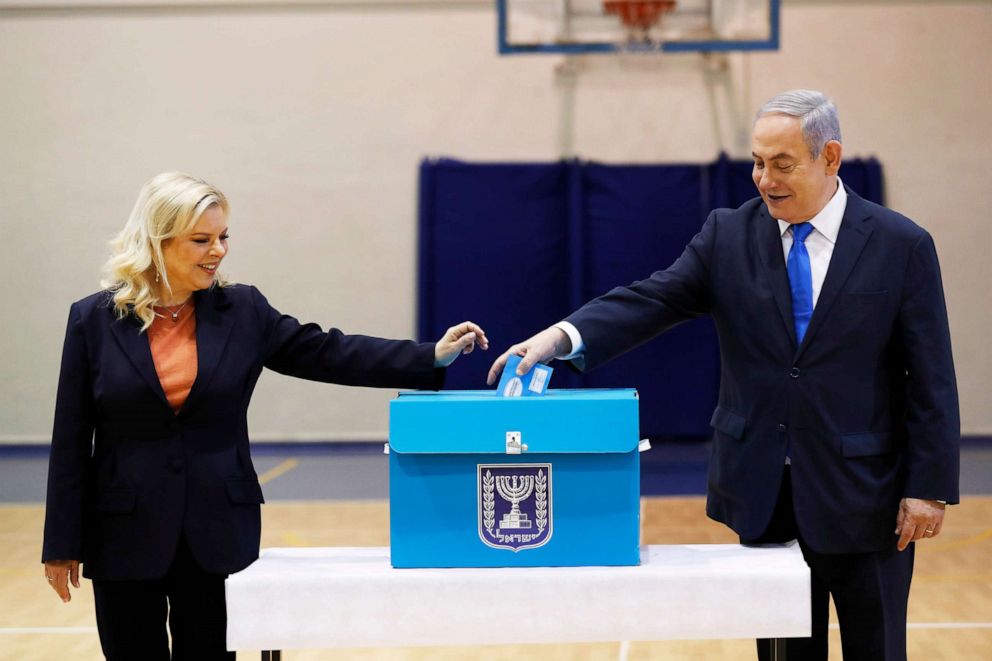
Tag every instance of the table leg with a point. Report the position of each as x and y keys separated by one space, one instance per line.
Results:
x=778 y=649
x=271 y=655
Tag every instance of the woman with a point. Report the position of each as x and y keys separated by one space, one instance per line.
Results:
x=151 y=484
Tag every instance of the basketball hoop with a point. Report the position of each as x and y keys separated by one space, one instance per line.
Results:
x=639 y=15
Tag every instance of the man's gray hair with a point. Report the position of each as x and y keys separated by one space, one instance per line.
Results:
x=817 y=116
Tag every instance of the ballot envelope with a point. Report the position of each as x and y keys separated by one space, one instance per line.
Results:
x=481 y=480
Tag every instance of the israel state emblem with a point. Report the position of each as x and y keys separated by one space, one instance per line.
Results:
x=514 y=505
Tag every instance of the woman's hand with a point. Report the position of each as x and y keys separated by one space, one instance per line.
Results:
x=458 y=340
x=59 y=574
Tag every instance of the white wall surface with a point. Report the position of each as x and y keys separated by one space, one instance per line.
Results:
x=313 y=118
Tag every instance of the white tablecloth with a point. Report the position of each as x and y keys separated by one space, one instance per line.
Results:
x=351 y=597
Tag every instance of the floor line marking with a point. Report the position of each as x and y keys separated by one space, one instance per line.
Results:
x=938 y=625
x=46 y=630
x=277 y=470
x=624 y=646
x=967 y=541
x=949 y=625
x=947 y=576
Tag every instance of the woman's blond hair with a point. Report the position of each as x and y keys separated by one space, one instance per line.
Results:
x=168 y=206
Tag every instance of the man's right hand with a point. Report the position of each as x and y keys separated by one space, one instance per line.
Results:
x=548 y=344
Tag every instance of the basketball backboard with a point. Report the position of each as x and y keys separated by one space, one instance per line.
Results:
x=604 y=26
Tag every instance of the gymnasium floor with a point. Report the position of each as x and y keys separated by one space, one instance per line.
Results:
x=321 y=495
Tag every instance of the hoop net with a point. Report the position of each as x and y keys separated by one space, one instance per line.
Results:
x=639 y=16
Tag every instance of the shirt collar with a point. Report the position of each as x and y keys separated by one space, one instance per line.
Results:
x=827 y=222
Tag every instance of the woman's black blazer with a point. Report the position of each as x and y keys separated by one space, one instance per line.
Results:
x=128 y=476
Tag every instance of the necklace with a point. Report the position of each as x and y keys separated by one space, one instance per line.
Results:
x=175 y=313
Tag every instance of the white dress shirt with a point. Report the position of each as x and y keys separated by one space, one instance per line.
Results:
x=819 y=244
x=821 y=241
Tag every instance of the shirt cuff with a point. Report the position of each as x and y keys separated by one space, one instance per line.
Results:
x=578 y=346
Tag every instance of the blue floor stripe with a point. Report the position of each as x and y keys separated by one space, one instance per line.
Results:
x=334 y=470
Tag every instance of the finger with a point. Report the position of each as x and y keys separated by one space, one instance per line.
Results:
x=900 y=519
x=482 y=339
x=497 y=368
x=480 y=335
x=467 y=327
x=537 y=352
x=525 y=363
x=464 y=328
x=59 y=584
x=74 y=574
x=62 y=585
x=466 y=340
x=531 y=358
x=908 y=531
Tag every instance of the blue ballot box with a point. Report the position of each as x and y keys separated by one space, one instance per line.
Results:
x=480 y=480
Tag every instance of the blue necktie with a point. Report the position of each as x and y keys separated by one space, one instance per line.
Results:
x=800 y=279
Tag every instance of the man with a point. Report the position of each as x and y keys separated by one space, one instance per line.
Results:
x=837 y=422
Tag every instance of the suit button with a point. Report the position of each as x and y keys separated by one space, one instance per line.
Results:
x=176 y=465
x=794 y=372
x=782 y=428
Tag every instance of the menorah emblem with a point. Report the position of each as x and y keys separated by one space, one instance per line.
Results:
x=510 y=490
x=523 y=505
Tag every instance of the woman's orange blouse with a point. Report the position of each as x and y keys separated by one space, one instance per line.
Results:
x=173 y=345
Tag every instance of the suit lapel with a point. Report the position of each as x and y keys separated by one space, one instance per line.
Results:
x=213 y=328
x=770 y=249
x=134 y=343
x=854 y=233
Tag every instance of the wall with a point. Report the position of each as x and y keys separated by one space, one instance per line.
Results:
x=313 y=118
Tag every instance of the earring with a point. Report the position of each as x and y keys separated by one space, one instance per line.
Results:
x=156 y=276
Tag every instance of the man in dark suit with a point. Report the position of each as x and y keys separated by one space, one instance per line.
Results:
x=837 y=422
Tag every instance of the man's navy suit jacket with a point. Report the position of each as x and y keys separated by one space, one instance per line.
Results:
x=866 y=406
x=128 y=476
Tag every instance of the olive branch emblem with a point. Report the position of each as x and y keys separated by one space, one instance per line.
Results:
x=488 y=502
x=541 y=500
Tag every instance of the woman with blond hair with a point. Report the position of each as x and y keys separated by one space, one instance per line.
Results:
x=151 y=485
